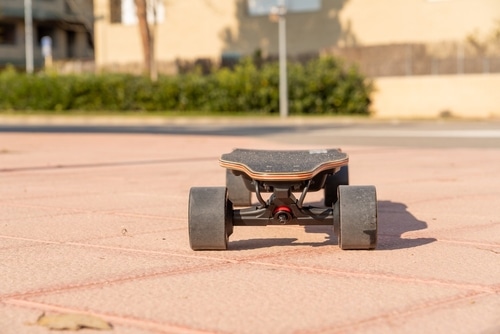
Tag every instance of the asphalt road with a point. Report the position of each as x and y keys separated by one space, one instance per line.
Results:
x=337 y=132
x=407 y=134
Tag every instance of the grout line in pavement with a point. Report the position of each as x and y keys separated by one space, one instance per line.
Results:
x=104 y=164
x=258 y=261
x=31 y=240
x=159 y=327
x=468 y=291
x=103 y=283
x=470 y=227
x=141 y=215
x=70 y=211
x=397 y=278
x=120 y=249
x=66 y=211
x=425 y=307
x=475 y=244
x=416 y=235
x=255 y=261
x=152 y=252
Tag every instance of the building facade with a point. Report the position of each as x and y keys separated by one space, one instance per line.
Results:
x=68 y=23
x=218 y=29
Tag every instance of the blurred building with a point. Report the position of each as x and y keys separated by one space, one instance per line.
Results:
x=428 y=58
x=359 y=29
x=68 y=23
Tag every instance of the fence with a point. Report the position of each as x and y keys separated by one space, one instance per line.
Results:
x=420 y=59
x=89 y=66
x=374 y=61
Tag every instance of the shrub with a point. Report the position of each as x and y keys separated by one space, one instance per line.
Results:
x=322 y=86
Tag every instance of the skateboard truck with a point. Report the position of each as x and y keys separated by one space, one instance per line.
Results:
x=352 y=210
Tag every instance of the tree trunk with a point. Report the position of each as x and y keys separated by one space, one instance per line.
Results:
x=153 y=73
x=145 y=33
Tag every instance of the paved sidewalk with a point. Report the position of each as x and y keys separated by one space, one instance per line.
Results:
x=96 y=224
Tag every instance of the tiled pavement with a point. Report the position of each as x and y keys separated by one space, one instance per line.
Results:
x=97 y=224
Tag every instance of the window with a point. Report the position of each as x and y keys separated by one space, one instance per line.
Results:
x=115 y=11
x=155 y=11
x=42 y=31
x=7 y=34
x=263 y=7
x=123 y=11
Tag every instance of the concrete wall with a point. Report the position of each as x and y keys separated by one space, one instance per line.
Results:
x=369 y=22
x=465 y=96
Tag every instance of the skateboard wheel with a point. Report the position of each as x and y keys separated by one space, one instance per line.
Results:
x=333 y=182
x=237 y=191
x=355 y=217
x=209 y=218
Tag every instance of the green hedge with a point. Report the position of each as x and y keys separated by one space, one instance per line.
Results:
x=322 y=86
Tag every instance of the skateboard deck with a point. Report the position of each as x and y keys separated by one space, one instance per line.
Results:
x=297 y=165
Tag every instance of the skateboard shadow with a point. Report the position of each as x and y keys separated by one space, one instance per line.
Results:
x=249 y=244
x=394 y=220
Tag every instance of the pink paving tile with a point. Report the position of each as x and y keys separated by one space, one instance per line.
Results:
x=241 y=298
x=21 y=317
x=14 y=320
x=11 y=211
x=395 y=219
x=7 y=244
x=476 y=314
x=245 y=243
x=70 y=197
x=468 y=206
x=433 y=262
x=483 y=236
x=38 y=268
x=155 y=205
x=85 y=226
x=112 y=201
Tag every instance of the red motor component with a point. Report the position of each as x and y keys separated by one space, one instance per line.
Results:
x=283 y=214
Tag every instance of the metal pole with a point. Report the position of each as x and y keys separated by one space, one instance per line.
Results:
x=28 y=31
x=460 y=58
x=283 y=89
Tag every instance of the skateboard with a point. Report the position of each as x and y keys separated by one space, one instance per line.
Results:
x=214 y=211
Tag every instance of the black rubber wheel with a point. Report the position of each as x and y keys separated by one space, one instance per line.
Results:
x=355 y=217
x=238 y=193
x=333 y=182
x=209 y=218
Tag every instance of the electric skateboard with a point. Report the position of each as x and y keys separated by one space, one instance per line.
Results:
x=214 y=211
